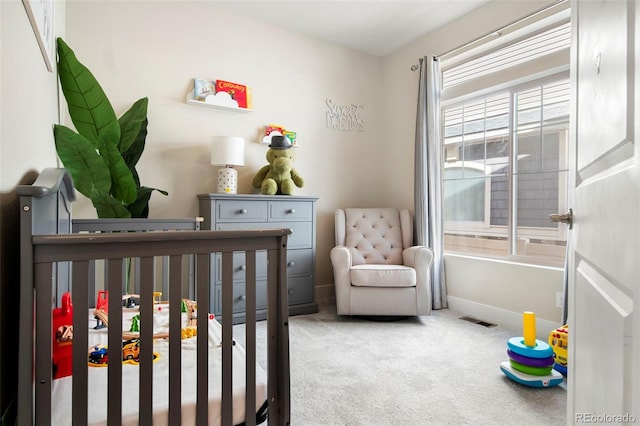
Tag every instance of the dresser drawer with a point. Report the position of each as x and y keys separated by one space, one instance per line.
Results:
x=301 y=233
x=239 y=266
x=239 y=297
x=300 y=290
x=290 y=210
x=299 y=262
x=241 y=211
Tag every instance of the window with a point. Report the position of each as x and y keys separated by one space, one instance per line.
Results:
x=507 y=168
x=505 y=149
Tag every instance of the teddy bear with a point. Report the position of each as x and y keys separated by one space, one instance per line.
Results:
x=279 y=176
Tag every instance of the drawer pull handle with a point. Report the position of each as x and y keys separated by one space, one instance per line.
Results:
x=242 y=268
x=242 y=298
x=242 y=211
x=292 y=263
x=291 y=211
x=290 y=291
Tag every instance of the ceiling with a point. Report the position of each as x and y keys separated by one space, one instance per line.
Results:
x=378 y=27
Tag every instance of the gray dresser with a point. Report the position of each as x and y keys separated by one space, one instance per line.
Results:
x=247 y=211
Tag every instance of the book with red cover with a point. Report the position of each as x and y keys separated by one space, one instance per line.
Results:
x=238 y=92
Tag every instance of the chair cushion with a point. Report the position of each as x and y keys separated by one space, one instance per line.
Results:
x=383 y=276
x=374 y=236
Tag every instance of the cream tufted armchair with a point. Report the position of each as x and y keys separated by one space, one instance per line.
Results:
x=376 y=269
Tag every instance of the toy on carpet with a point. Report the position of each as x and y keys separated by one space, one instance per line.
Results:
x=559 y=342
x=279 y=176
x=530 y=360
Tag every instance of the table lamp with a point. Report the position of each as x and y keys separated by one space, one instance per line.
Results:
x=227 y=151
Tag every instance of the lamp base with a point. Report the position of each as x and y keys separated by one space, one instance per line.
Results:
x=227 y=181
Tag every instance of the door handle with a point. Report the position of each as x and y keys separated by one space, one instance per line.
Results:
x=564 y=218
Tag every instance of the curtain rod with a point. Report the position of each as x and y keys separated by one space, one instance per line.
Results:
x=497 y=32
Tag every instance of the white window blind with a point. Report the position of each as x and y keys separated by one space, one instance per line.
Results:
x=534 y=47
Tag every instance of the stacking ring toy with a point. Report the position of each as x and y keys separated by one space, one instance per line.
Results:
x=531 y=362
x=540 y=350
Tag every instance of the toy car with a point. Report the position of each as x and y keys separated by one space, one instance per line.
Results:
x=99 y=355
x=131 y=349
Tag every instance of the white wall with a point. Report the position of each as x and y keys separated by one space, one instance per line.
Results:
x=29 y=98
x=156 y=48
x=28 y=109
x=499 y=291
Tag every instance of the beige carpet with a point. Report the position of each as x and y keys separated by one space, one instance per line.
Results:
x=435 y=370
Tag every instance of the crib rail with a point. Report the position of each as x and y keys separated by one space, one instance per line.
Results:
x=35 y=384
x=103 y=225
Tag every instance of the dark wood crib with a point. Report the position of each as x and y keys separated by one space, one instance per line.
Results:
x=61 y=256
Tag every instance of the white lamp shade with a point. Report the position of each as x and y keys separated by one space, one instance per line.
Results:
x=227 y=151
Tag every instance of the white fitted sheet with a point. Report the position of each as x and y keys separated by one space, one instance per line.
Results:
x=97 y=377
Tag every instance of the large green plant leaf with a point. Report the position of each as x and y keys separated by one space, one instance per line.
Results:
x=107 y=206
x=140 y=207
x=130 y=123
x=123 y=186
x=133 y=154
x=88 y=169
x=89 y=107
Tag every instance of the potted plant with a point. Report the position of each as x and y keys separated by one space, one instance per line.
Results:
x=101 y=156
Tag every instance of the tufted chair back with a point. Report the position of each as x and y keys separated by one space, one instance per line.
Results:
x=375 y=235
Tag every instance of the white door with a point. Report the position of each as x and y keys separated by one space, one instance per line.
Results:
x=604 y=273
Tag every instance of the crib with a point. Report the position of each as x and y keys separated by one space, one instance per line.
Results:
x=60 y=257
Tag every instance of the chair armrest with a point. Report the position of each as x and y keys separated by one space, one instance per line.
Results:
x=417 y=256
x=342 y=262
x=421 y=259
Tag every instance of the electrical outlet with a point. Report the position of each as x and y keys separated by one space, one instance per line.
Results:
x=559 y=299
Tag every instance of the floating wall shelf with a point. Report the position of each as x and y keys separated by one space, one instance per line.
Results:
x=192 y=101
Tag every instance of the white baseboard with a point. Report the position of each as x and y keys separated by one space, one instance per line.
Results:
x=508 y=320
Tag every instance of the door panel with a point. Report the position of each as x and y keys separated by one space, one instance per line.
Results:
x=602 y=386
x=604 y=255
x=603 y=102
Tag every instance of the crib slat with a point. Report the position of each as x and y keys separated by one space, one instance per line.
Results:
x=146 y=340
x=282 y=360
x=42 y=276
x=175 y=342
x=277 y=326
x=202 y=344
x=80 y=291
x=250 y=338
x=114 y=342
x=227 y=337
x=272 y=330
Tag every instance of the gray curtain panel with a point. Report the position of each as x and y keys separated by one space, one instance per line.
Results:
x=428 y=169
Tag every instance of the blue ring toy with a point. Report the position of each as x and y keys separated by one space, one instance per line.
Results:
x=531 y=362
x=540 y=350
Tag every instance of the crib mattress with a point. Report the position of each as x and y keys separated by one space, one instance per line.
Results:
x=97 y=379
